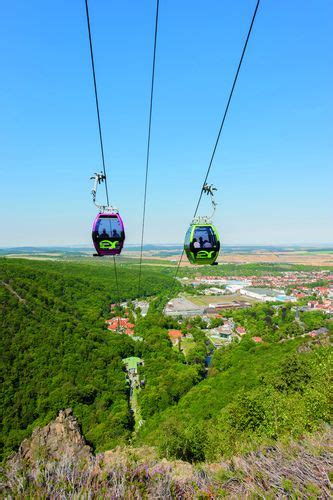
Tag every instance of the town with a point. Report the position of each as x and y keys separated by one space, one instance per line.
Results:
x=295 y=286
x=212 y=295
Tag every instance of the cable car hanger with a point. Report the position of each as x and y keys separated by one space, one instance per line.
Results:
x=99 y=178
x=209 y=190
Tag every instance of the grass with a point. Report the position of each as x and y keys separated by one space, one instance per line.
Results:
x=186 y=345
x=204 y=300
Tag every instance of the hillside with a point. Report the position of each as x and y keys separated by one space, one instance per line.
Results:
x=58 y=354
x=253 y=394
x=56 y=350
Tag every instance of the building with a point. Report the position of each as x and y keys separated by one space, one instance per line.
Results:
x=219 y=280
x=143 y=306
x=257 y=340
x=121 y=325
x=267 y=294
x=241 y=330
x=325 y=306
x=132 y=364
x=175 y=336
x=236 y=286
x=214 y=291
x=319 y=331
x=219 y=339
x=223 y=333
x=221 y=330
x=233 y=304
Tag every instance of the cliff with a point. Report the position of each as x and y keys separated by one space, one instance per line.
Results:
x=57 y=462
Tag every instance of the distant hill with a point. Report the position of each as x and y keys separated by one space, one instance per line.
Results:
x=161 y=249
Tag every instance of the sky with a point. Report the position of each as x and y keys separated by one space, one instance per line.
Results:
x=273 y=167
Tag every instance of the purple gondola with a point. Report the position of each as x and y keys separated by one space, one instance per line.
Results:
x=108 y=233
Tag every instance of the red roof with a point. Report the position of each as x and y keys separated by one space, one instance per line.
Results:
x=240 y=329
x=113 y=327
x=175 y=334
x=257 y=339
x=115 y=323
x=118 y=319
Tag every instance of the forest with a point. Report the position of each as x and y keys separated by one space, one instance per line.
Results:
x=58 y=354
x=253 y=395
x=250 y=269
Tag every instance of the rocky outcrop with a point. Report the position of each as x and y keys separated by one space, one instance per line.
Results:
x=56 y=463
x=60 y=438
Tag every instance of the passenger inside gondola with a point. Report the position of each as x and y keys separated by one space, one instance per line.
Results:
x=109 y=229
x=104 y=235
x=203 y=238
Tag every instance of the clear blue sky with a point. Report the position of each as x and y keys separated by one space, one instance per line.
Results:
x=274 y=163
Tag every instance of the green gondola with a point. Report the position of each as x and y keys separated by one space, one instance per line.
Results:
x=202 y=243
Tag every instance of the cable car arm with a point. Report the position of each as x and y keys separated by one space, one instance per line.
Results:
x=99 y=178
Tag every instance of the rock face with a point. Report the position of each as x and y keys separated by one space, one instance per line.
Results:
x=56 y=463
x=60 y=438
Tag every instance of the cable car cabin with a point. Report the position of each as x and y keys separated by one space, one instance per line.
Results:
x=108 y=234
x=202 y=244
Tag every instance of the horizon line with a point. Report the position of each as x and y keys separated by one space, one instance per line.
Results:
x=84 y=245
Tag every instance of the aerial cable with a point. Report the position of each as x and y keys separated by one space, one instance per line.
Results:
x=227 y=106
x=203 y=189
x=97 y=102
x=99 y=177
x=148 y=144
x=117 y=286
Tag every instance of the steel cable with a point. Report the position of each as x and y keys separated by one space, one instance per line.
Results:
x=221 y=126
x=97 y=101
x=148 y=145
x=100 y=131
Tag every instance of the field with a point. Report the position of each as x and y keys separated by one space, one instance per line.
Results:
x=289 y=257
x=204 y=300
x=168 y=255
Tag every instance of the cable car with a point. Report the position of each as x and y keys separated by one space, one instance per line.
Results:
x=108 y=233
x=202 y=243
